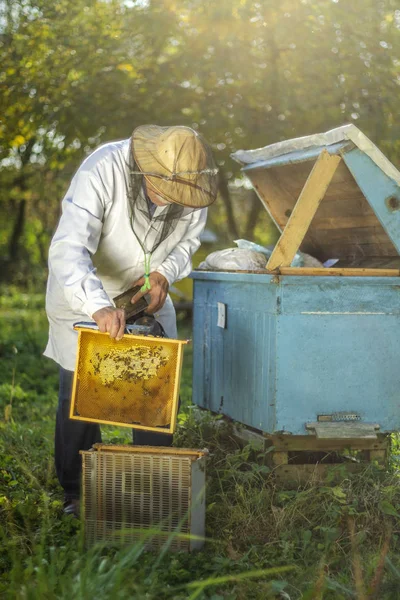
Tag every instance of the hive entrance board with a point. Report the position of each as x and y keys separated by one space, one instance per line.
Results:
x=338 y=200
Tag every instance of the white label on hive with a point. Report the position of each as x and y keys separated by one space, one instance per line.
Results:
x=221 y=315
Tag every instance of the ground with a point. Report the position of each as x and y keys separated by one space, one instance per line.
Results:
x=333 y=541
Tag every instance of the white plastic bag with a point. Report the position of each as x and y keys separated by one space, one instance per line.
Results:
x=253 y=257
x=300 y=260
x=234 y=259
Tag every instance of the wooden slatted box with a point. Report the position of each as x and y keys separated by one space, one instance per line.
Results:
x=154 y=495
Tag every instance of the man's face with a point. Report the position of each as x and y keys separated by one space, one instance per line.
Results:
x=155 y=196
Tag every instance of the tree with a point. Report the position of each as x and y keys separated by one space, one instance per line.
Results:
x=245 y=73
x=61 y=72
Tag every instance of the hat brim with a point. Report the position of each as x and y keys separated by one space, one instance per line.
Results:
x=191 y=190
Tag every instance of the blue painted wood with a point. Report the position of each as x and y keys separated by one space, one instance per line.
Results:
x=297 y=347
x=338 y=363
x=221 y=369
x=299 y=156
x=382 y=193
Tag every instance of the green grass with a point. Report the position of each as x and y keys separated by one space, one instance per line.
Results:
x=330 y=541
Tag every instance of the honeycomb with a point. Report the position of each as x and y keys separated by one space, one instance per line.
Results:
x=132 y=382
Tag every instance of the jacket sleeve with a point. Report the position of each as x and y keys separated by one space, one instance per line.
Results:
x=178 y=263
x=76 y=240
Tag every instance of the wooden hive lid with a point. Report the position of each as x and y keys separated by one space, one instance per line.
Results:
x=346 y=194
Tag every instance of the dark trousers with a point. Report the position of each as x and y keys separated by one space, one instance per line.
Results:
x=72 y=436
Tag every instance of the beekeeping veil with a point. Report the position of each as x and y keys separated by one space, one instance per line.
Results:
x=178 y=164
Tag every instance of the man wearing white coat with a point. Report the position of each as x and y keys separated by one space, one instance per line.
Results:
x=133 y=214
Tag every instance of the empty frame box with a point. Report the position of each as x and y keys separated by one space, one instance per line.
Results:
x=131 y=383
x=133 y=493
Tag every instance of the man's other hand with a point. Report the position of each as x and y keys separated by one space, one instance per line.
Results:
x=111 y=320
x=158 y=292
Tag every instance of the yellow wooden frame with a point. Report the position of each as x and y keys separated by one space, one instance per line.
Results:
x=175 y=399
x=164 y=450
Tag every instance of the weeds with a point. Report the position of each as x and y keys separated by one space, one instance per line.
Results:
x=309 y=527
x=332 y=541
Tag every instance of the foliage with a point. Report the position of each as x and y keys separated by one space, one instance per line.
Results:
x=245 y=73
x=263 y=541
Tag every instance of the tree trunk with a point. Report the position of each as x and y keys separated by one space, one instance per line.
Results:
x=254 y=212
x=226 y=199
x=19 y=223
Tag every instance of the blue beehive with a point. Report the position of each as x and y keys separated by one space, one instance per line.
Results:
x=282 y=349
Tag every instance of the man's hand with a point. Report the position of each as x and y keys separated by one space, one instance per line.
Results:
x=111 y=320
x=157 y=293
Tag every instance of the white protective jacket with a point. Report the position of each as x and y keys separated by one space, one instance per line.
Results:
x=94 y=254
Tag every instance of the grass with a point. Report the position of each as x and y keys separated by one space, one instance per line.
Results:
x=331 y=541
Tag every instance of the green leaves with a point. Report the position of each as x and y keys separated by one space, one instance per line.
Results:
x=388 y=509
x=244 y=73
x=263 y=541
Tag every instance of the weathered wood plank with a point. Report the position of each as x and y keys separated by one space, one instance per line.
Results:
x=342 y=272
x=357 y=251
x=308 y=271
x=304 y=211
x=343 y=190
x=378 y=262
x=360 y=235
x=248 y=436
x=343 y=429
x=339 y=222
x=278 y=202
x=344 y=218
x=280 y=458
x=310 y=443
x=380 y=456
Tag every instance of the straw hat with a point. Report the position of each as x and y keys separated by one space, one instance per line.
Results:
x=177 y=162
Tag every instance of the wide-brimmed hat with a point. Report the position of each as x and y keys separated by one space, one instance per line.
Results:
x=177 y=162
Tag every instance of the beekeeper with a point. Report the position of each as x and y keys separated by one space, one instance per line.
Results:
x=133 y=214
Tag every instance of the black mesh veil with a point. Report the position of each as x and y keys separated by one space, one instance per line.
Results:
x=179 y=166
x=157 y=227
